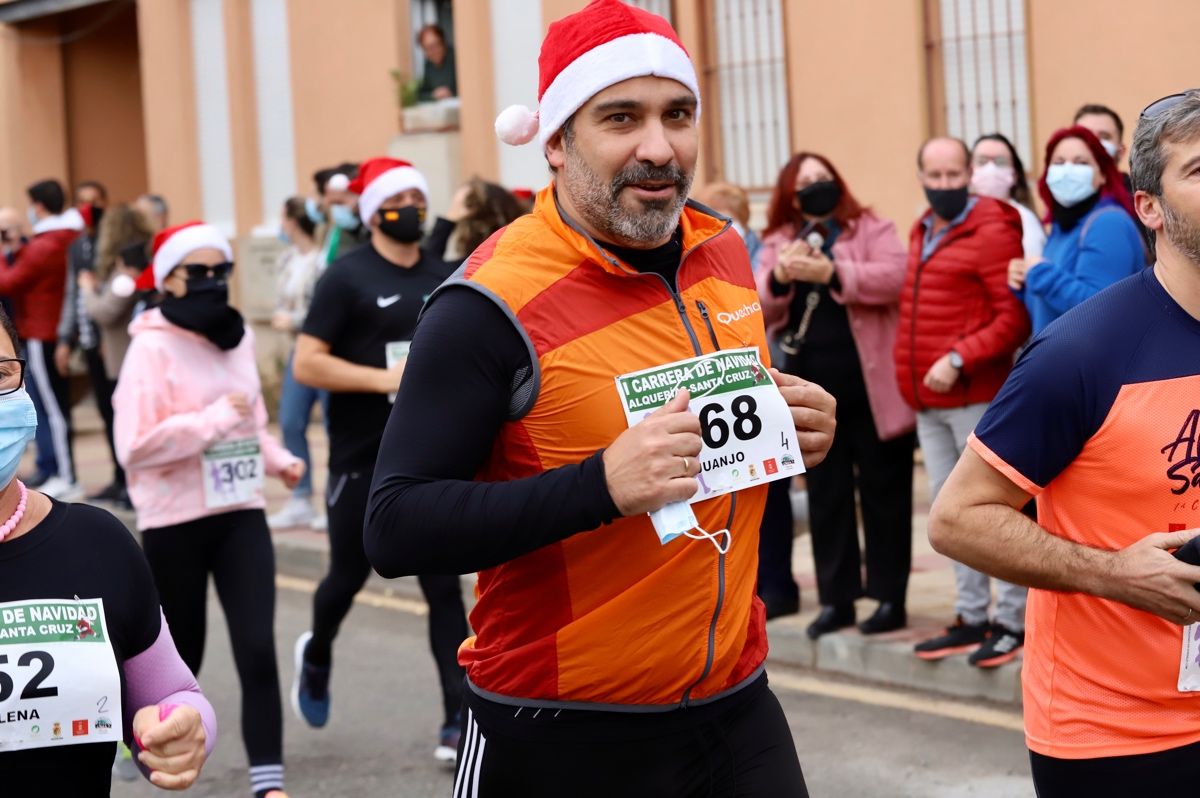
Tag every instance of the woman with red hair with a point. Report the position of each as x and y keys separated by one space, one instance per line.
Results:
x=1093 y=240
x=829 y=278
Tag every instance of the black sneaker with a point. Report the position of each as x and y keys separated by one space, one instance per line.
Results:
x=960 y=638
x=1002 y=645
x=37 y=479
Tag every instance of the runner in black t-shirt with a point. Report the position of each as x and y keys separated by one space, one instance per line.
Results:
x=86 y=658
x=353 y=344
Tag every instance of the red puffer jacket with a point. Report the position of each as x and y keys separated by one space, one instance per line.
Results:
x=35 y=283
x=959 y=299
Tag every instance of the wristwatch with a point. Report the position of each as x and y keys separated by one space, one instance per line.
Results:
x=956 y=360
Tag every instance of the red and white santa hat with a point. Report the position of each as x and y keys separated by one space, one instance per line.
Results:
x=171 y=245
x=381 y=178
x=585 y=53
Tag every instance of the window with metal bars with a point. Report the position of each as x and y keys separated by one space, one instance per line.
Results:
x=979 y=49
x=661 y=7
x=745 y=84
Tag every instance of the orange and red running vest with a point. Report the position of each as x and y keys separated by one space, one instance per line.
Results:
x=612 y=618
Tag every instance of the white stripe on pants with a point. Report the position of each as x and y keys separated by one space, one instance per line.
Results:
x=466 y=782
x=943 y=435
x=54 y=414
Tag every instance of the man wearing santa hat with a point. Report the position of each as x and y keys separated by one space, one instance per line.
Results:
x=608 y=653
x=353 y=342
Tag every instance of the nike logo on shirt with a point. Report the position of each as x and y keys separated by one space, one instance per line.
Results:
x=387 y=301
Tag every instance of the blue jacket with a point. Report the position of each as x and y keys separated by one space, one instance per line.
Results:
x=1101 y=249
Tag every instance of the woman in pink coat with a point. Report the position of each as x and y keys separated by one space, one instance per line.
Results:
x=829 y=279
x=191 y=431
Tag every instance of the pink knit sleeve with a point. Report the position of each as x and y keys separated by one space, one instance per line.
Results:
x=159 y=676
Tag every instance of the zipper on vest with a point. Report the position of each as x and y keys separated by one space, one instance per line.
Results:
x=712 y=626
x=681 y=308
x=708 y=323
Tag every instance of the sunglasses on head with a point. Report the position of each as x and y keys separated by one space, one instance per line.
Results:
x=1164 y=104
x=203 y=271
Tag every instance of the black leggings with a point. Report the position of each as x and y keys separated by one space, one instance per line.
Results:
x=236 y=549
x=1173 y=773
x=346 y=500
x=739 y=746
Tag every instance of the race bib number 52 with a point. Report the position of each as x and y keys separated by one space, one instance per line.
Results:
x=59 y=683
x=747 y=430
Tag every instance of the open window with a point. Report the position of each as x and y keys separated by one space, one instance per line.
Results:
x=430 y=95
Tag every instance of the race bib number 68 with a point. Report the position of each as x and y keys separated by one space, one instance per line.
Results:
x=746 y=426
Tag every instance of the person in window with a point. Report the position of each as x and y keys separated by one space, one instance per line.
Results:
x=829 y=280
x=1093 y=241
x=440 y=80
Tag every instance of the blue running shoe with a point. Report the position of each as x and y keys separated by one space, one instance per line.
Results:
x=310 y=688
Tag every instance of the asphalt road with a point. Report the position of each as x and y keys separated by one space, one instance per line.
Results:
x=854 y=741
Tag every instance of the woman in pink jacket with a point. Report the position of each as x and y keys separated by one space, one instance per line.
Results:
x=191 y=430
x=829 y=278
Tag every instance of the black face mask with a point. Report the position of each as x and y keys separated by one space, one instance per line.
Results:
x=819 y=199
x=402 y=224
x=205 y=310
x=947 y=203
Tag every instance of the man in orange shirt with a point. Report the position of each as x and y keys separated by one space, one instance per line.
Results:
x=1101 y=421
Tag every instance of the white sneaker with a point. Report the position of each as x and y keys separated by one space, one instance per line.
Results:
x=59 y=488
x=320 y=523
x=297 y=512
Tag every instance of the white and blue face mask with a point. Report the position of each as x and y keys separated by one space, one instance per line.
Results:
x=1070 y=183
x=18 y=423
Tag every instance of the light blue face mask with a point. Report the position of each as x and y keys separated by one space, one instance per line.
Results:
x=284 y=239
x=18 y=423
x=344 y=217
x=313 y=211
x=1070 y=183
x=33 y=217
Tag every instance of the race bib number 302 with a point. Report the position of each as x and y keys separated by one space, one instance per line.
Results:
x=59 y=683
x=748 y=434
x=232 y=473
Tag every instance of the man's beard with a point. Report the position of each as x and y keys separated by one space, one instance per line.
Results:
x=600 y=203
x=1183 y=234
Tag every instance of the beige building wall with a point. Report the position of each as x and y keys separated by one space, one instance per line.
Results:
x=344 y=98
x=858 y=96
x=1110 y=52
x=169 y=97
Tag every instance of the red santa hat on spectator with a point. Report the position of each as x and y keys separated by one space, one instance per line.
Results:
x=585 y=53
x=381 y=178
x=170 y=247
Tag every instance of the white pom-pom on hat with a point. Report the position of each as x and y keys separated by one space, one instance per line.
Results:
x=122 y=286
x=517 y=125
x=339 y=182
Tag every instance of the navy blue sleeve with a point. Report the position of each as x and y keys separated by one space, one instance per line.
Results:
x=1055 y=399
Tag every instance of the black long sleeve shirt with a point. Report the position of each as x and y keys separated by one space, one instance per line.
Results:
x=426 y=514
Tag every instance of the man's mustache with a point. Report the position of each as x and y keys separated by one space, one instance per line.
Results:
x=648 y=174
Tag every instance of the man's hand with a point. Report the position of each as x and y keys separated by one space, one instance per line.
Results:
x=1146 y=576
x=292 y=475
x=62 y=358
x=173 y=749
x=941 y=375
x=813 y=412
x=655 y=462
